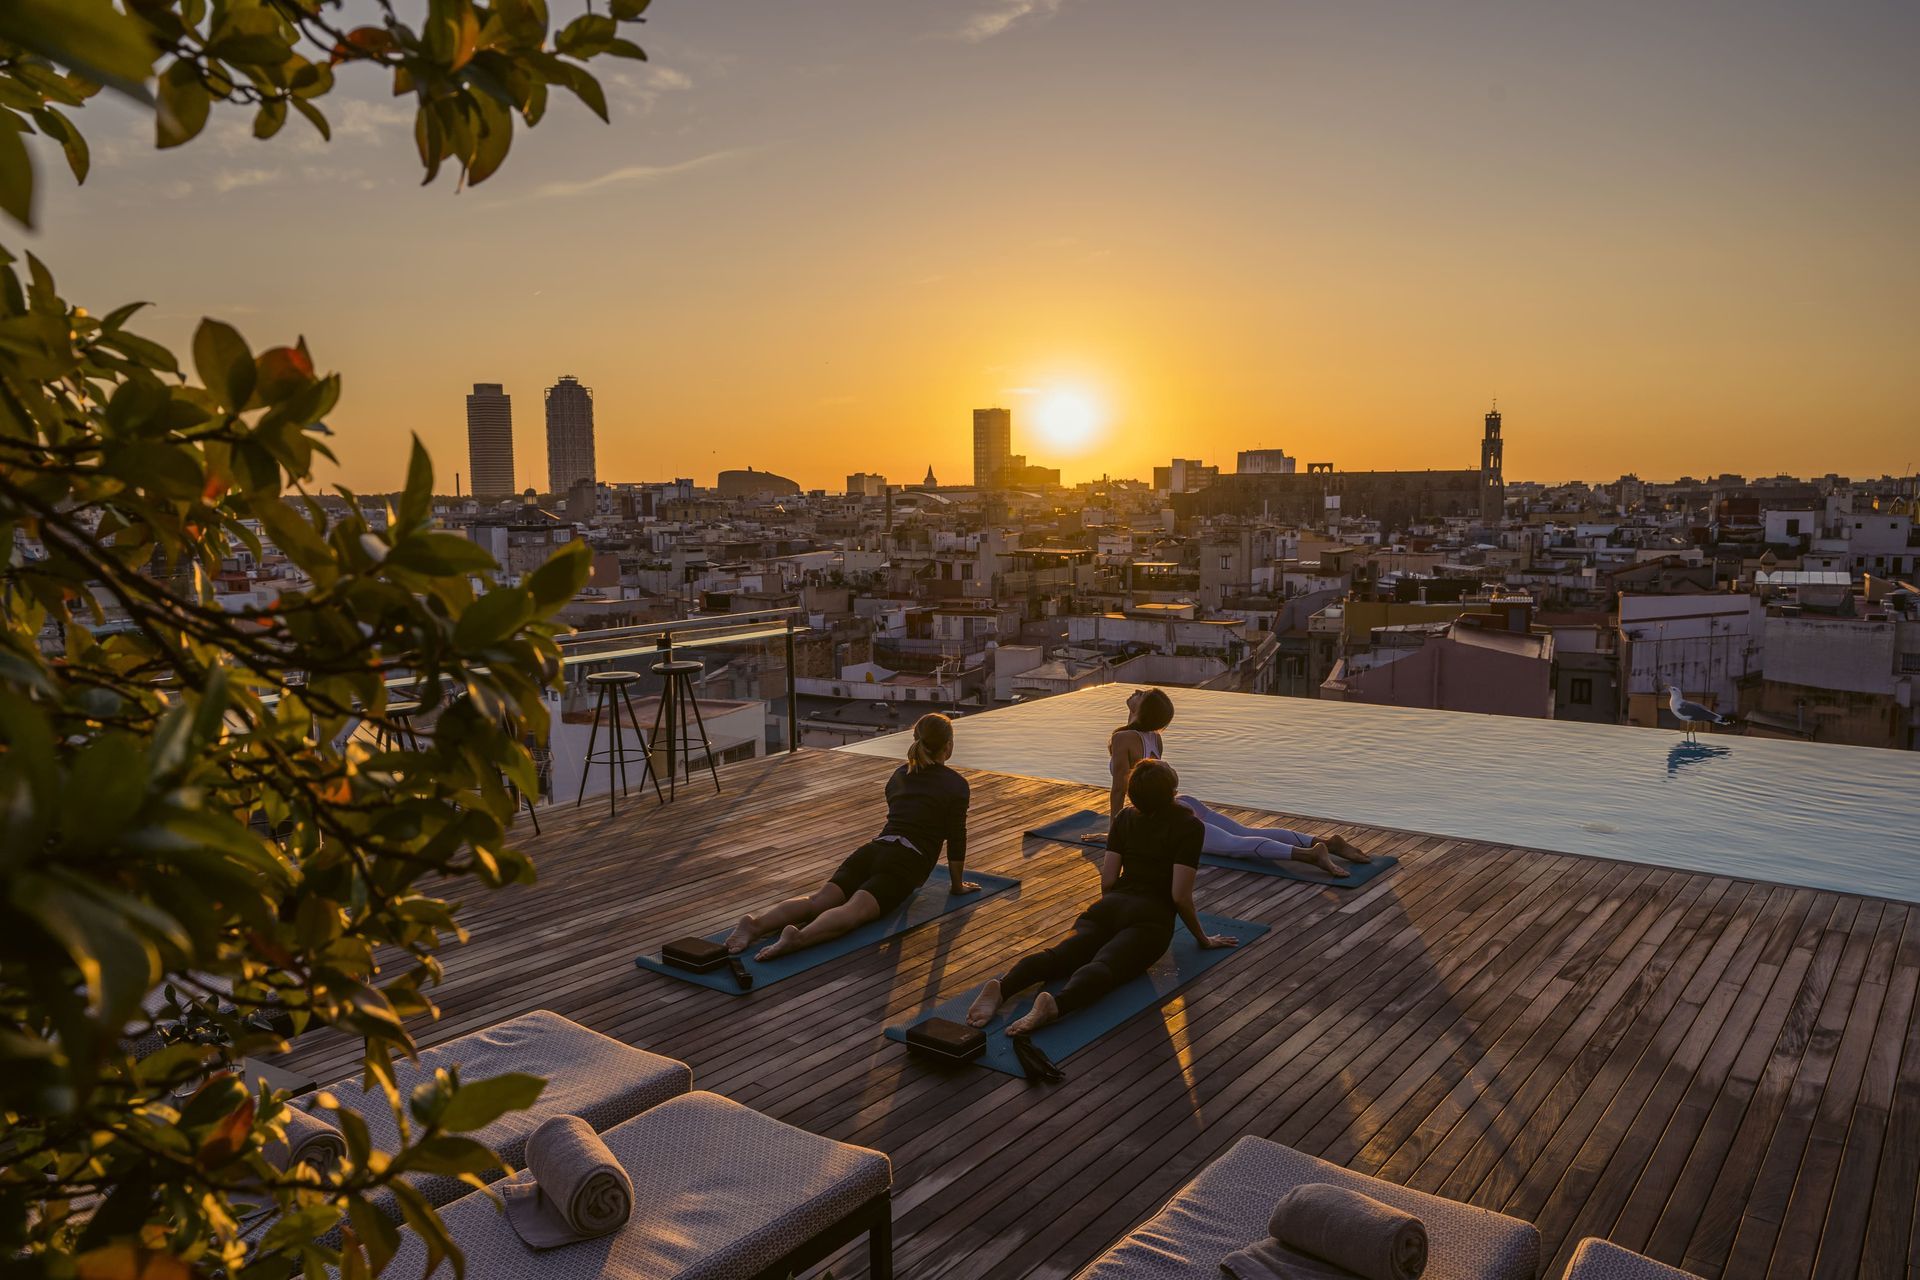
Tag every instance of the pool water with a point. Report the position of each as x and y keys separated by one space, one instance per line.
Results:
x=1819 y=815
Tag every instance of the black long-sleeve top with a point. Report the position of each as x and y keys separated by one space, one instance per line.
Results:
x=929 y=807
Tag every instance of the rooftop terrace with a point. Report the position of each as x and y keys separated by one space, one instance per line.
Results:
x=1722 y=1073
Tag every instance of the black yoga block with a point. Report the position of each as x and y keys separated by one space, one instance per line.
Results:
x=945 y=1038
x=696 y=955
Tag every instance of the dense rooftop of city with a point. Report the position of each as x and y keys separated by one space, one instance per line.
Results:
x=1199 y=814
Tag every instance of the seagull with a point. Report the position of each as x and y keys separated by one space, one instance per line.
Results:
x=1691 y=713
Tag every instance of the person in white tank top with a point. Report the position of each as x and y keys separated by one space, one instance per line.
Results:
x=1149 y=711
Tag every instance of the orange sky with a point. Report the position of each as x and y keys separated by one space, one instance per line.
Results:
x=1669 y=238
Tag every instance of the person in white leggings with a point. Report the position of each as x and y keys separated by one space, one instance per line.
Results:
x=1149 y=711
x=1272 y=844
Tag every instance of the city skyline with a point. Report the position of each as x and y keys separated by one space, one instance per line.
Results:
x=1289 y=227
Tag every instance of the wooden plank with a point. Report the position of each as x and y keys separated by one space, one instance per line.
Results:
x=1723 y=1074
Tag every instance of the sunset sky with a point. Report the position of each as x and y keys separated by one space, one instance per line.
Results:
x=1669 y=237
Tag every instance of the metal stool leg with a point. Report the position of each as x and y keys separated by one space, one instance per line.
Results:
x=593 y=735
x=706 y=743
x=646 y=756
x=616 y=755
x=664 y=713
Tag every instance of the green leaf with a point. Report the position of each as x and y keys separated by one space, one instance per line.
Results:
x=561 y=577
x=585 y=36
x=588 y=90
x=184 y=105
x=16 y=171
x=492 y=618
x=448 y=1155
x=89 y=37
x=494 y=137
x=478 y=1103
x=628 y=10
x=56 y=126
x=224 y=364
x=416 y=501
x=440 y=554
x=312 y=113
x=268 y=119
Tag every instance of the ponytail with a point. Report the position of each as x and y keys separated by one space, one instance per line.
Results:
x=932 y=740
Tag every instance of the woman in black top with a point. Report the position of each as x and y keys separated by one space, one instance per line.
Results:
x=926 y=808
x=1145 y=882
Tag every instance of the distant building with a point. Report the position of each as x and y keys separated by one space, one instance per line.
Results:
x=1454 y=666
x=865 y=484
x=1395 y=498
x=1188 y=475
x=490 y=441
x=992 y=447
x=755 y=484
x=1265 y=462
x=1019 y=474
x=569 y=435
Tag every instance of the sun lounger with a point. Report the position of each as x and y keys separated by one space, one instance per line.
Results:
x=720 y=1192
x=1228 y=1205
x=1595 y=1259
x=588 y=1075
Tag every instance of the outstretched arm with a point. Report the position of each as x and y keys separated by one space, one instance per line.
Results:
x=1183 y=903
x=957 y=854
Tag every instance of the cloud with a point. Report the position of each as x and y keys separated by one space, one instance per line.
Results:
x=234 y=179
x=1001 y=15
x=635 y=174
x=643 y=90
x=372 y=121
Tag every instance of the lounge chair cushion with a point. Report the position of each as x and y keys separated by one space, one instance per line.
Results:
x=720 y=1192
x=1227 y=1207
x=588 y=1075
x=1595 y=1259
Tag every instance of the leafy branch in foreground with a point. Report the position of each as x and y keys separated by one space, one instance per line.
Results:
x=471 y=68
x=202 y=847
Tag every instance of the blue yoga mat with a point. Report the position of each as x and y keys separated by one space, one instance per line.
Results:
x=929 y=902
x=1069 y=829
x=1183 y=962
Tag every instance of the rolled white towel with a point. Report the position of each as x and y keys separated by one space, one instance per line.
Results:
x=1352 y=1231
x=310 y=1141
x=578 y=1190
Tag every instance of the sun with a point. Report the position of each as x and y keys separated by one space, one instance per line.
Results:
x=1067 y=418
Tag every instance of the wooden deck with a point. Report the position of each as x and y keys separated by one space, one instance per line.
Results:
x=1722 y=1074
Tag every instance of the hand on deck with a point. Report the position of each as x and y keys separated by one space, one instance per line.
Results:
x=1094 y=837
x=1214 y=941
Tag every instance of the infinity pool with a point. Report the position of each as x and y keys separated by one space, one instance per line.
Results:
x=1828 y=817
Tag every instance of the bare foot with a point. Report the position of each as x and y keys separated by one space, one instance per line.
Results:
x=1320 y=856
x=985 y=1005
x=742 y=936
x=1345 y=848
x=1044 y=1011
x=789 y=940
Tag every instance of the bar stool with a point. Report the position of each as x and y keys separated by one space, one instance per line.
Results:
x=397 y=733
x=613 y=693
x=676 y=698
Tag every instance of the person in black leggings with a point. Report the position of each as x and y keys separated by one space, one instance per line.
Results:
x=926 y=808
x=1146 y=883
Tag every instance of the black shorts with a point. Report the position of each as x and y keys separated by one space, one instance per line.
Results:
x=888 y=870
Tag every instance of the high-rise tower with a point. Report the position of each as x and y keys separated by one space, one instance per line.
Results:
x=1493 y=487
x=992 y=447
x=569 y=435
x=490 y=441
